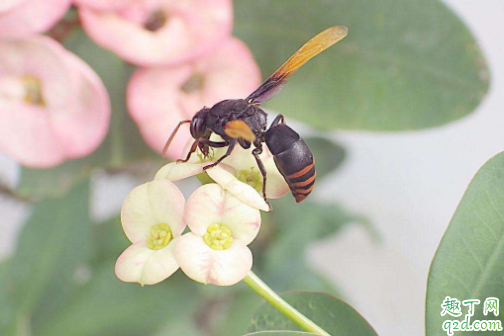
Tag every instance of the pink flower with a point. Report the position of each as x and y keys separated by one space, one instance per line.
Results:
x=151 y=217
x=159 y=32
x=102 y=4
x=7 y=5
x=159 y=98
x=53 y=106
x=216 y=250
x=23 y=17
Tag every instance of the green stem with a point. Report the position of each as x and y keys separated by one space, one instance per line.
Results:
x=254 y=282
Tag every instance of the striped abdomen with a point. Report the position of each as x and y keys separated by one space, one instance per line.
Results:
x=293 y=159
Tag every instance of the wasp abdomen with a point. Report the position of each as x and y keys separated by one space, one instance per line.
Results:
x=293 y=159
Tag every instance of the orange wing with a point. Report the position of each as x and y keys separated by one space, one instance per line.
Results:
x=239 y=129
x=310 y=49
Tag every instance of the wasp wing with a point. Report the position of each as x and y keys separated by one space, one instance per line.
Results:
x=310 y=49
x=239 y=129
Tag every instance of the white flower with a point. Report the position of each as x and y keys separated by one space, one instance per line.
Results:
x=238 y=173
x=152 y=218
x=216 y=251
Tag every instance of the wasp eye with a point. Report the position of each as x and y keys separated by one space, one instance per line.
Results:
x=198 y=124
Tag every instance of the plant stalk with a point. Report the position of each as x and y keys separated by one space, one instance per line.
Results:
x=258 y=286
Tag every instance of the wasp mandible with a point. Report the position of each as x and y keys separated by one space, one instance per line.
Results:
x=243 y=122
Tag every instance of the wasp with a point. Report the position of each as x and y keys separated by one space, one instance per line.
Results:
x=242 y=122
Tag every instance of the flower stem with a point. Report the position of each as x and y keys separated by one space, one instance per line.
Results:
x=254 y=282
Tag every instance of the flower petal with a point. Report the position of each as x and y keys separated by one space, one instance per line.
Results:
x=73 y=118
x=32 y=16
x=102 y=4
x=159 y=98
x=7 y=5
x=177 y=171
x=240 y=190
x=242 y=159
x=41 y=149
x=192 y=28
x=276 y=187
x=82 y=126
x=152 y=203
x=140 y=264
x=203 y=264
x=153 y=100
x=210 y=204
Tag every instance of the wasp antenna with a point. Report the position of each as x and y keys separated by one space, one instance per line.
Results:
x=170 y=139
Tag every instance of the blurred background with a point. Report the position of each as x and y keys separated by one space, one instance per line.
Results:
x=396 y=193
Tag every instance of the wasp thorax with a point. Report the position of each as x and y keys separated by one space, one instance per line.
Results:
x=156 y=21
x=252 y=177
x=218 y=237
x=159 y=236
x=33 y=90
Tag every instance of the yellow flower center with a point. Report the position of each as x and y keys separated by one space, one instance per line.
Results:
x=218 y=237
x=33 y=90
x=203 y=158
x=252 y=177
x=160 y=235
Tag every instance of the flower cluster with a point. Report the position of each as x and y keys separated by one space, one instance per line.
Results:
x=223 y=216
x=53 y=106
x=56 y=108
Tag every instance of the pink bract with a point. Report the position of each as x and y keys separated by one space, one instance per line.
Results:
x=159 y=98
x=160 y=32
x=53 y=106
x=102 y=4
x=8 y=5
x=24 y=17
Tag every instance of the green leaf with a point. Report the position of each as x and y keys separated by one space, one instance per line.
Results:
x=238 y=313
x=106 y=306
x=6 y=306
x=54 y=244
x=55 y=182
x=328 y=155
x=123 y=147
x=283 y=263
x=110 y=240
x=331 y=314
x=468 y=263
x=404 y=65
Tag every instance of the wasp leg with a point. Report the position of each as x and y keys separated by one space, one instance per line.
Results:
x=192 y=150
x=206 y=143
x=256 y=152
x=216 y=144
x=280 y=119
x=232 y=145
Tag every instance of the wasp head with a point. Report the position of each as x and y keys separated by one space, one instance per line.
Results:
x=199 y=127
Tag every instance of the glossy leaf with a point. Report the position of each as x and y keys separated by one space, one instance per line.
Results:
x=404 y=65
x=6 y=305
x=238 y=312
x=106 y=306
x=54 y=245
x=468 y=263
x=331 y=314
